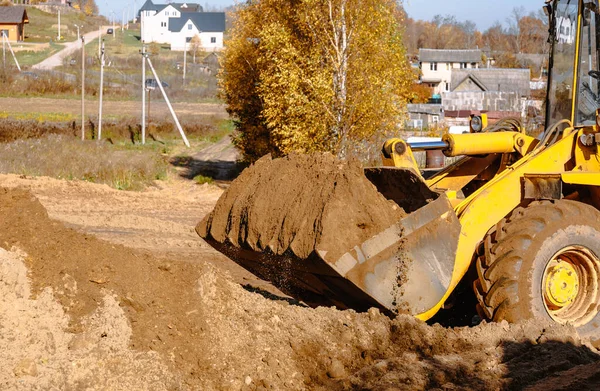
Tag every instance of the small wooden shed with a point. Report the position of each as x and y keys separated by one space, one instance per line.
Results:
x=12 y=22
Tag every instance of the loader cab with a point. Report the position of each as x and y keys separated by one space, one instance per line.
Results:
x=574 y=67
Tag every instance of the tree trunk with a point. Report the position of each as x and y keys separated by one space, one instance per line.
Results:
x=340 y=76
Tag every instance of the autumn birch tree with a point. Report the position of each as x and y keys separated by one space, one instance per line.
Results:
x=315 y=75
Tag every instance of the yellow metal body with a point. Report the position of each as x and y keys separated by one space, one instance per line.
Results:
x=501 y=191
x=485 y=143
x=488 y=183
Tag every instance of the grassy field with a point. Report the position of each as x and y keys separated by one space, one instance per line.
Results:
x=27 y=58
x=66 y=157
x=43 y=26
x=124 y=65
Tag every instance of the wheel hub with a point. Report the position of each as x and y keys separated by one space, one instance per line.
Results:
x=562 y=284
x=571 y=287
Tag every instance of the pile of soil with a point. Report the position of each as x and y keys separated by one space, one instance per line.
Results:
x=300 y=203
x=125 y=315
x=38 y=352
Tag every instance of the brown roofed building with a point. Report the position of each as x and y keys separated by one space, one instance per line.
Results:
x=12 y=22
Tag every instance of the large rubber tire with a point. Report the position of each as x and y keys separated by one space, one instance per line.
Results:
x=518 y=260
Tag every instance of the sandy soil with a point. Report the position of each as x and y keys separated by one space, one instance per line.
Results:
x=104 y=289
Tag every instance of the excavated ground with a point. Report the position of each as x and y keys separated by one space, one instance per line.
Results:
x=114 y=290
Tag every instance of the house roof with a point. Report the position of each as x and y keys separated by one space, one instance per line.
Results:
x=150 y=6
x=13 y=14
x=181 y=7
x=209 y=22
x=422 y=108
x=446 y=55
x=189 y=7
x=494 y=79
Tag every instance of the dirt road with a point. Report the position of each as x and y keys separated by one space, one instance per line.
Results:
x=113 y=290
x=56 y=59
x=111 y=108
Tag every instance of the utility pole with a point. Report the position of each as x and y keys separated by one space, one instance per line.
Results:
x=101 y=88
x=144 y=55
x=77 y=30
x=99 y=40
x=164 y=94
x=4 y=49
x=5 y=41
x=184 y=59
x=82 y=88
x=114 y=30
x=58 y=38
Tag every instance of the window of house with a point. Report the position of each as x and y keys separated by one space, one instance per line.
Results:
x=189 y=26
x=473 y=65
x=448 y=66
x=213 y=39
x=4 y=32
x=433 y=66
x=166 y=13
x=446 y=87
x=463 y=65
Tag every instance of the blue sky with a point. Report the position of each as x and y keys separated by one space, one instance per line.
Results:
x=483 y=12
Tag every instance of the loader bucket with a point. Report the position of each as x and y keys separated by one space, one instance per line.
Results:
x=405 y=268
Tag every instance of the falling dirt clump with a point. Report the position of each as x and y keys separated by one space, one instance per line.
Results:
x=300 y=203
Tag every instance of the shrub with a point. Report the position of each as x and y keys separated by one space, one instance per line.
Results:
x=201 y=179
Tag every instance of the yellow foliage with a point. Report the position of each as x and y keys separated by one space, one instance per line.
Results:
x=315 y=75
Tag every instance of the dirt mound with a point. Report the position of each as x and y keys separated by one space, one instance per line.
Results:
x=215 y=334
x=300 y=203
x=38 y=352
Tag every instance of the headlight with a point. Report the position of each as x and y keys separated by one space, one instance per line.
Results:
x=476 y=124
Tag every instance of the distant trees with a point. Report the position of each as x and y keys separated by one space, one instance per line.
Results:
x=195 y=45
x=443 y=32
x=524 y=33
x=89 y=7
x=314 y=75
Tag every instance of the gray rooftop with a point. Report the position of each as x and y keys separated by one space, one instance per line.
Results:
x=492 y=79
x=189 y=7
x=150 y=6
x=208 y=22
x=446 y=55
x=424 y=108
x=13 y=14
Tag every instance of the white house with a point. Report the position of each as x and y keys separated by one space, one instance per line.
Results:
x=177 y=23
x=566 y=27
x=437 y=66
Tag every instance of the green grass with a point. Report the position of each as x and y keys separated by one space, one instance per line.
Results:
x=30 y=57
x=43 y=26
x=201 y=179
x=123 y=44
x=39 y=117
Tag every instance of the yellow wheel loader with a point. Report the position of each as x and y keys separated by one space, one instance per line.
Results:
x=522 y=212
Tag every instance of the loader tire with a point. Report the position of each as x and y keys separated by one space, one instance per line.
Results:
x=542 y=262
